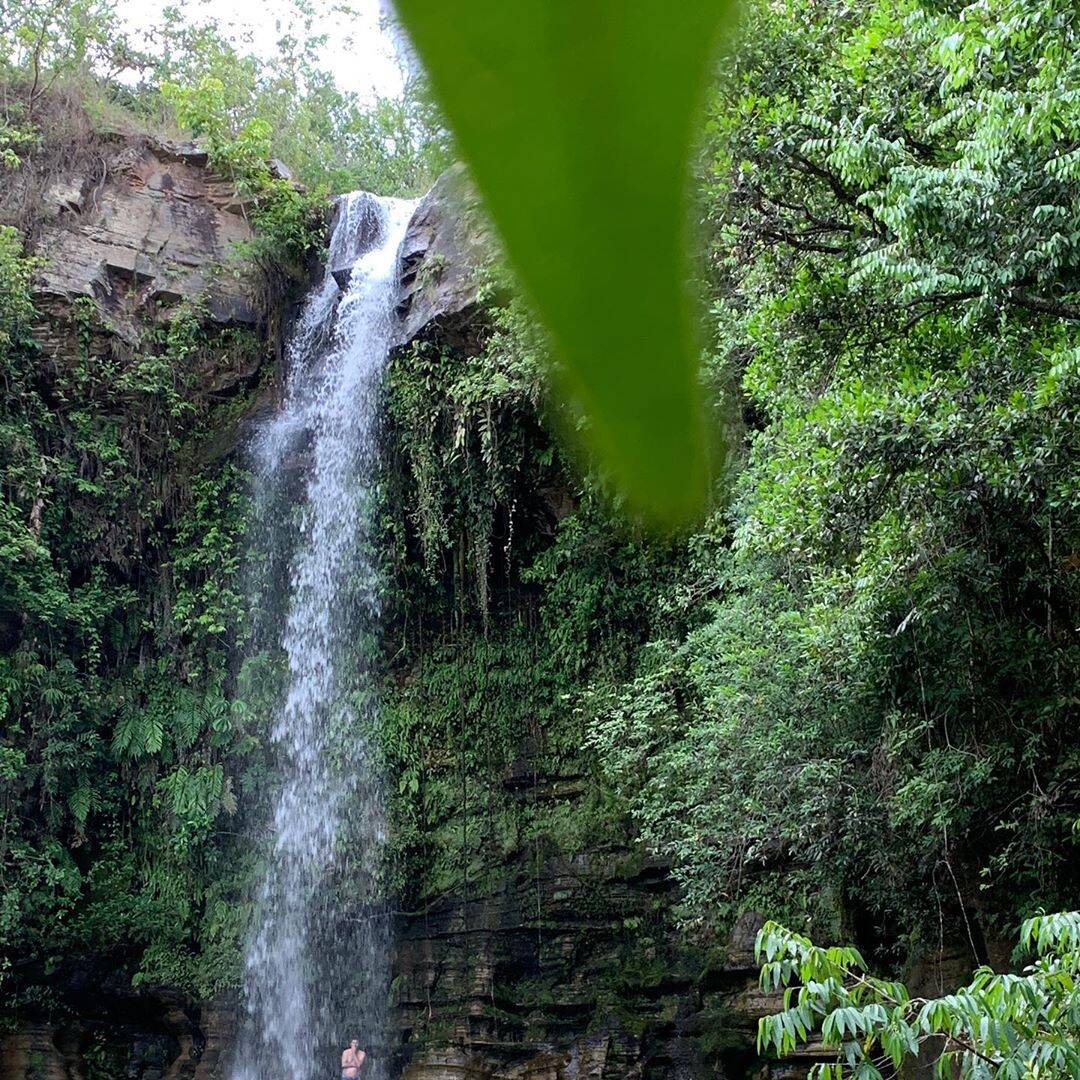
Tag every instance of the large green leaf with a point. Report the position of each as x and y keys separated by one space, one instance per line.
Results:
x=577 y=119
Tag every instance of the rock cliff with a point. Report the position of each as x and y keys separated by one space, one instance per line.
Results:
x=447 y=244
x=156 y=229
x=572 y=967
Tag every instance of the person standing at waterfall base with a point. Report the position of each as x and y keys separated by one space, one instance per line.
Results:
x=352 y=1061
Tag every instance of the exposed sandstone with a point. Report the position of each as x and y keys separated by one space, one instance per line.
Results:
x=32 y=1051
x=157 y=230
x=567 y=969
x=446 y=246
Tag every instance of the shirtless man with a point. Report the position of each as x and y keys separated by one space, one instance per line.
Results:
x=352 y=1061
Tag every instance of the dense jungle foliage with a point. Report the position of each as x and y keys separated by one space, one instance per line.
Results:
x=871 y=685
x=847 y=700
x=1000 y=1025
x=852 y=699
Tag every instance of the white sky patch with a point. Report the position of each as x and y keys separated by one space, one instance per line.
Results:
x=363 y=49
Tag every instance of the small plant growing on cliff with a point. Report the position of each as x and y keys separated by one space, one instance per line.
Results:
x=16 y=307
x=1001 y=1026
x=289 y=220
x=15 y=140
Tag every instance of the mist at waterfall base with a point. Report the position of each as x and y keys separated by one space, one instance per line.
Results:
x=317 y=967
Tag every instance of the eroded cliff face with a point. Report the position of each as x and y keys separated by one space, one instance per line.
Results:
x=130 y=236
x=135 y=227
x=154 y=228
x=155 y=1035
x=447 y=244
x=568 y=967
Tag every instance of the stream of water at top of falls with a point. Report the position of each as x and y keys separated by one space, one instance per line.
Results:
x=317 y=969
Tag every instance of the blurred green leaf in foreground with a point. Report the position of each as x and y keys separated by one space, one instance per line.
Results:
x=577 y=118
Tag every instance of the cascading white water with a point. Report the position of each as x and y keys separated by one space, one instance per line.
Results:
x=317 y=966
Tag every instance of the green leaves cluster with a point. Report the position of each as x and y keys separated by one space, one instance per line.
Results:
x=120 y=750
x=16 y=306
x=15 y=139
x=288 y=103
x=42 y=43
x=998 y=1027
x=860 y=704
x=290 y=223
x=467 y=428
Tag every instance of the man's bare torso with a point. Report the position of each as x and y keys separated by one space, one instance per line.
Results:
x=351 y=1061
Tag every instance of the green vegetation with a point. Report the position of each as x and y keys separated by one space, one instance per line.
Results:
x=120 y=748
x=852 y=689
x=289 y=223
x=328 y=137
x=191 y=80
x=864 y=701
x=1001 y=1026
x=846 y=700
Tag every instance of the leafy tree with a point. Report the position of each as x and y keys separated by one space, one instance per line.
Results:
x=42 y=42
x=326 y=135
x=860 y=702
x=1006 y=1027
x=190 y=74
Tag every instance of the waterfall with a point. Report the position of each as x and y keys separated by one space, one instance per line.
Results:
x=317 y=965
